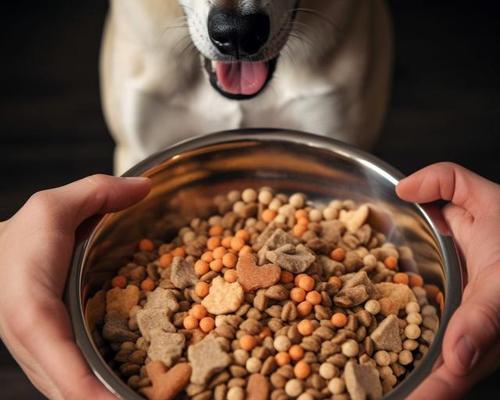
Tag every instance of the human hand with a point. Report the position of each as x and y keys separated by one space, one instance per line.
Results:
x=471 y=347
x=35 y=251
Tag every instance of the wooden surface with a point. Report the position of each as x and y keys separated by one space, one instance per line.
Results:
x=445 y=104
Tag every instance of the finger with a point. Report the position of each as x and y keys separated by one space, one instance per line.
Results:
x=48 y=341
x=69 y=205
x=441 y=384
x=450 y=182
x=474 y=329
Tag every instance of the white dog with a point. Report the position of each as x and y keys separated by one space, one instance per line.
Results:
x=174 y=69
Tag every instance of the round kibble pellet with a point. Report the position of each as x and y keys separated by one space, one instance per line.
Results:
x=294 y=388
x=410 y=344
x=119 y=282
x=350 y=348
x=248 y=342
x=253 y=365
x=298 y=294
x=339 y=320
x=201 y=289
x=405 y=357
x=330 y=213
x=249 y=195
x=315 y=215
x=305 y=327
x=190 y=322
x=382 y=358
x=231 y=276
x=338 y=254
x=240 y=356
x=412 y=331
x=306 y=282
x=302 y=370
x=304 y=308
x=148 y=285
x=236 y=393
x=282 y=359
x=282 y=343
x=296 y=200
x=412 y=307
x=414 y=318
x=296 y=352
x=269 y=215
x=198 y=311
x=372 y=306
x=207 y=324
x=327 y=371
x=265 y=197
x=146 y=245
x=336 y=386
x=335 y=281
x=314 y=297
x=306 y=396
x=201 y=267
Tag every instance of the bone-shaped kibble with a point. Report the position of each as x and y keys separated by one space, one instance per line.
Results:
x=252 y=277
x=166 y=384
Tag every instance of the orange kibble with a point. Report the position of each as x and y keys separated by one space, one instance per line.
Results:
x=268 y=215
x=230 y=276
x=440 y=300
x=119 y=281
x=286 y=277
x=201 y=289
x=338 y=254
x=148 y=284
x=213 y=242
x=304 y=308
x=216 y=265
x=314 y=297
x=229 y=260
x=391 y=262
x=198 y=311
x=237 y=243
x=243 y=234
x=296 y=352
x=146 y=245
x=301 y=214
x=299 y=230
x=190 y=322
x=297 y=277
x=307 y=283
x=305 y=327
x=298 y=294
x=416 y=280
x=302 y=221
x=216 y=230
x=179 y=252
x=207 y=324
x=245 y=250
x=226 y=242
x=219 y=252
x=207 y=256
x=282 y=358
x=336 y=282
x=166 y=260
x=339 y=320
x=248 y=342
x=201 y=267
x=302 y=370
x=401 y=277
x=265 y=332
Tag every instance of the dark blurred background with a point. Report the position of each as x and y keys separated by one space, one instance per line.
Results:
x=445 y=104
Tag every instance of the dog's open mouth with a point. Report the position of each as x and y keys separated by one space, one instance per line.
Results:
x=240 y=80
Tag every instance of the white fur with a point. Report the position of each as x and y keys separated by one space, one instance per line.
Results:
x=333 y=81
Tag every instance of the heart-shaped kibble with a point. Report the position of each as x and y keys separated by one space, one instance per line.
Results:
x=252 y=277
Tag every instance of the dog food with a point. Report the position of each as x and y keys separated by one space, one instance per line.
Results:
x=275 y=297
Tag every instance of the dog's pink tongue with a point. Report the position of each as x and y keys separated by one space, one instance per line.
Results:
x=241 y=77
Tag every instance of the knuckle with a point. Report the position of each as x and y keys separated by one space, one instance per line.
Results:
x=98 y=180
x=40 y=205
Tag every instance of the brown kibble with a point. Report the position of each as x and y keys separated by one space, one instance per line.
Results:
x=166 y=384
x=362 y=381
x=252 y=277
x=257 y=387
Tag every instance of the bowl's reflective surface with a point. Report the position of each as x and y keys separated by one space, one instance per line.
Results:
x=187 y=177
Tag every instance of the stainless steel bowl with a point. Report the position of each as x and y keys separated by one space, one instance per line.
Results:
x=187 y=176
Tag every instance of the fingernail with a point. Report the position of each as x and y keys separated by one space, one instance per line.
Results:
x=467 y=353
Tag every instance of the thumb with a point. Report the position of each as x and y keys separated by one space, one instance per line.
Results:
x=68 y=206
x=474 y=329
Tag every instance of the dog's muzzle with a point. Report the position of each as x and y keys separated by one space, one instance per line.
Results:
x=239 y=38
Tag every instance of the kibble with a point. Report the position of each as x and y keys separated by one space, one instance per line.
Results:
x=336 y=386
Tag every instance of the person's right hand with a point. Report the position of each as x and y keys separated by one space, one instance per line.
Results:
x=35 y=251
x=471 y=347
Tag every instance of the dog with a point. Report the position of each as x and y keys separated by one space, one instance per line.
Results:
x=174 y=69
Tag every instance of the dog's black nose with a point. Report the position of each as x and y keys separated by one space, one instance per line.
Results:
x=238 y=34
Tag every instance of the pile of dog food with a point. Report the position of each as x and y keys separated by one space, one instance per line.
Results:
x=273 y=297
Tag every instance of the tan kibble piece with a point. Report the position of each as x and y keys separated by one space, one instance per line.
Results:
x=405 y=357
x=166 y=384
x=252 y=277
x=240 y=356
x=207 y=358
x=253 y=365
x=236 y=393
x=282 y=343
x=386 y=335
x=412 y=331
x=182 y=273
x=353 y=220
x=223 y=297
x=412 y=307
x=400 y=294
x=327 y=371
x=414 y=318
x=294 y=388
x=350 y=348
x=165 y=347
x=372 y=306
x=362 y=382
x=382 y=358
x=257 y=387
x=336 y=386
x=121 y=301
x=151 y=319
x=162 y=299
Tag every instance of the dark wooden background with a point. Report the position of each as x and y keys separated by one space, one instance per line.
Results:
x=445 y=104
